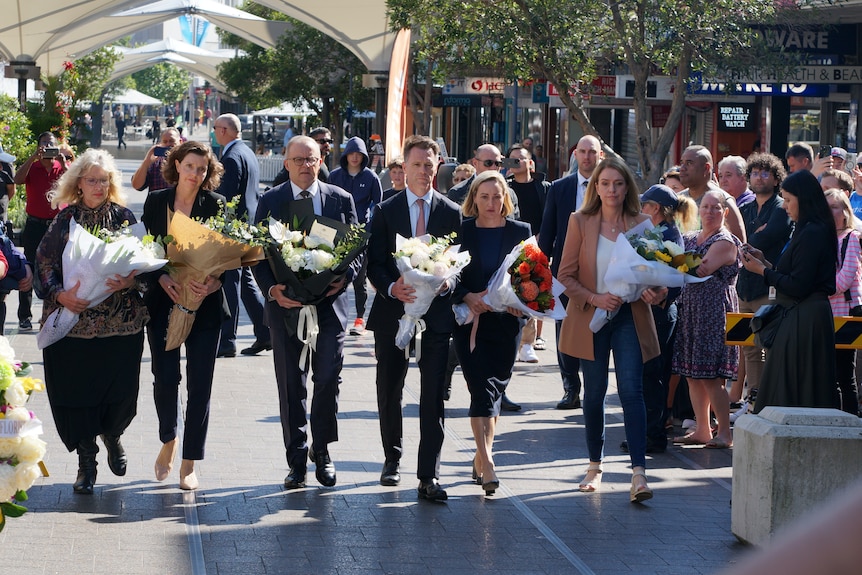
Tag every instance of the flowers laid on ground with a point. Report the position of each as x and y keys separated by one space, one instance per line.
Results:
x=206 y=248
x=523 y=281
x=653 y=247
x=426 y=263
x=91 y=258
x=21 y=450
x=640 y=263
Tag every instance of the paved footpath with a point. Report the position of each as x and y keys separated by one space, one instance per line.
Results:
x=241 y=521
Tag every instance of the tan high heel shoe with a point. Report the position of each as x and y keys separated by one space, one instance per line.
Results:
x=188 y=479
x=639 y=494
x=592 y=479
x=165 y=459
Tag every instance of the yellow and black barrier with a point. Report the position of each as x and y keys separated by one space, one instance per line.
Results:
x=848 y=331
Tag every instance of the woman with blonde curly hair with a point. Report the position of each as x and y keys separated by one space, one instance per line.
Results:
x=193 y=172
x=88 y=402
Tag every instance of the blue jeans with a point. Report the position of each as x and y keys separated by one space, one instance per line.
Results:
x=620 y=337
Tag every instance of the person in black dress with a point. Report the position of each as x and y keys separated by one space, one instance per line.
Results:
x=486 y=346
x=92 y=373
x=800 y=367
x=193 y=171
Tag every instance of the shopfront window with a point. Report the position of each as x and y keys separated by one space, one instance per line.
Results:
x=804 y=126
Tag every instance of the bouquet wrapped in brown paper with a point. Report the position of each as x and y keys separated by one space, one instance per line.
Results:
x=195 y=253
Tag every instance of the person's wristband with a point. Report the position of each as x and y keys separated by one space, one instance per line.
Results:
x=591 y=299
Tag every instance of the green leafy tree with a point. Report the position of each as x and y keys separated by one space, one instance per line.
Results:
x=306 y=66
x=569 y=43
x=164 y=81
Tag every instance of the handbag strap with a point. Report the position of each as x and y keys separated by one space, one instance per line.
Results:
x=844 y=243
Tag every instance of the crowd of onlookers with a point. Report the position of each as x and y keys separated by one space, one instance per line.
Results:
x=767 y=230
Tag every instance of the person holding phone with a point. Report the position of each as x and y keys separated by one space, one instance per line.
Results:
x=149 y=173
x=38 y=174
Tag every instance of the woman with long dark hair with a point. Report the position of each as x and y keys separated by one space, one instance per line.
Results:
x=800 y=366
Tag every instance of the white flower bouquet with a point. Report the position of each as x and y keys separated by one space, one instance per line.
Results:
x=91 y=258
x=630 y=273
x=21 y=450
x=426 y=263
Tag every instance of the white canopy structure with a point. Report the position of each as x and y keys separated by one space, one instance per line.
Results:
x=134 y=97
x=201 y=61
x=284 y=109
x=49 y=32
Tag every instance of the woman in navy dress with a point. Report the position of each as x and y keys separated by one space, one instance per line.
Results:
x=487 y=346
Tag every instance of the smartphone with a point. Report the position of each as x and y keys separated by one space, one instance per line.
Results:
x=51 y=152
x=160 y=151
x=509 y=163
x=824 y=151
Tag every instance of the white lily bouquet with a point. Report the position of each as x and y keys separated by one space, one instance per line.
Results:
x=307 y=258
x=93 y=258
x=645 y=260
x=21 y=450
x=426 y=263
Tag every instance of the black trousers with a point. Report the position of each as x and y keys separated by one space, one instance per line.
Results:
x=291 y=377
x=391 y=371
x=31 y=236
x=200 y=349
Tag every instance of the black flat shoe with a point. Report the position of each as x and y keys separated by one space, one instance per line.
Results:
x=257 y=347
x=390 y=476
x=226 y=353
x=116 y=455
x=431 y=491
x=324 y=468
x=295 y=479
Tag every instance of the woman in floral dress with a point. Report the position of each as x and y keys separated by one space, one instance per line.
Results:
x=700 y=353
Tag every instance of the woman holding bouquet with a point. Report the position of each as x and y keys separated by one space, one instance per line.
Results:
x=700 y=353
x=90 y=401
x=194 y=172
x=487 y=346
x=611 y=207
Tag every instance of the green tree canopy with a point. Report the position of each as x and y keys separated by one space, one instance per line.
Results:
x=569 y=43
x=306 y=66
x=164 y=81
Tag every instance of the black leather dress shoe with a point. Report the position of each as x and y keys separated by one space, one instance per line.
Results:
x=508 y=405
x=324 y=468
x=295 y=479
x=570 y=401
x=116 y=455
x=432 y=491
x=257 y=347
x=390 y=476
x=226 y=353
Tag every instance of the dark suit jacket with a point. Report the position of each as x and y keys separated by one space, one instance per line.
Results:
x=393 y=217
x=213 y=309
x=337 y=205
x=472 y=278
x=241 y=175
x=559 y=205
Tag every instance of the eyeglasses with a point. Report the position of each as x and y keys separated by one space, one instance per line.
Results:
x=489 y=163
x=758 y=174
x=299 y=162
x=96 y=181
x=324 y=140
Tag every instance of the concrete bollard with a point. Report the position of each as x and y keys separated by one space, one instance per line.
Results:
x=787 y=461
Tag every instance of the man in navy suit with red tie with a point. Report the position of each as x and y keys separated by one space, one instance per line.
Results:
x=303 y=163
x=418 y=210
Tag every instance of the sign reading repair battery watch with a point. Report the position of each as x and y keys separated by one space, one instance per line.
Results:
x=736 y=118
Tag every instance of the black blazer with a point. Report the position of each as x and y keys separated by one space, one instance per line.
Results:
x=241 y=175
x=390 y=218
x=472 y=278
x=213 y=309
x=336 y=204
x=559 y=205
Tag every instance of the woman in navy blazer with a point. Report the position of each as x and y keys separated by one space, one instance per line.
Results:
x=487 y=346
